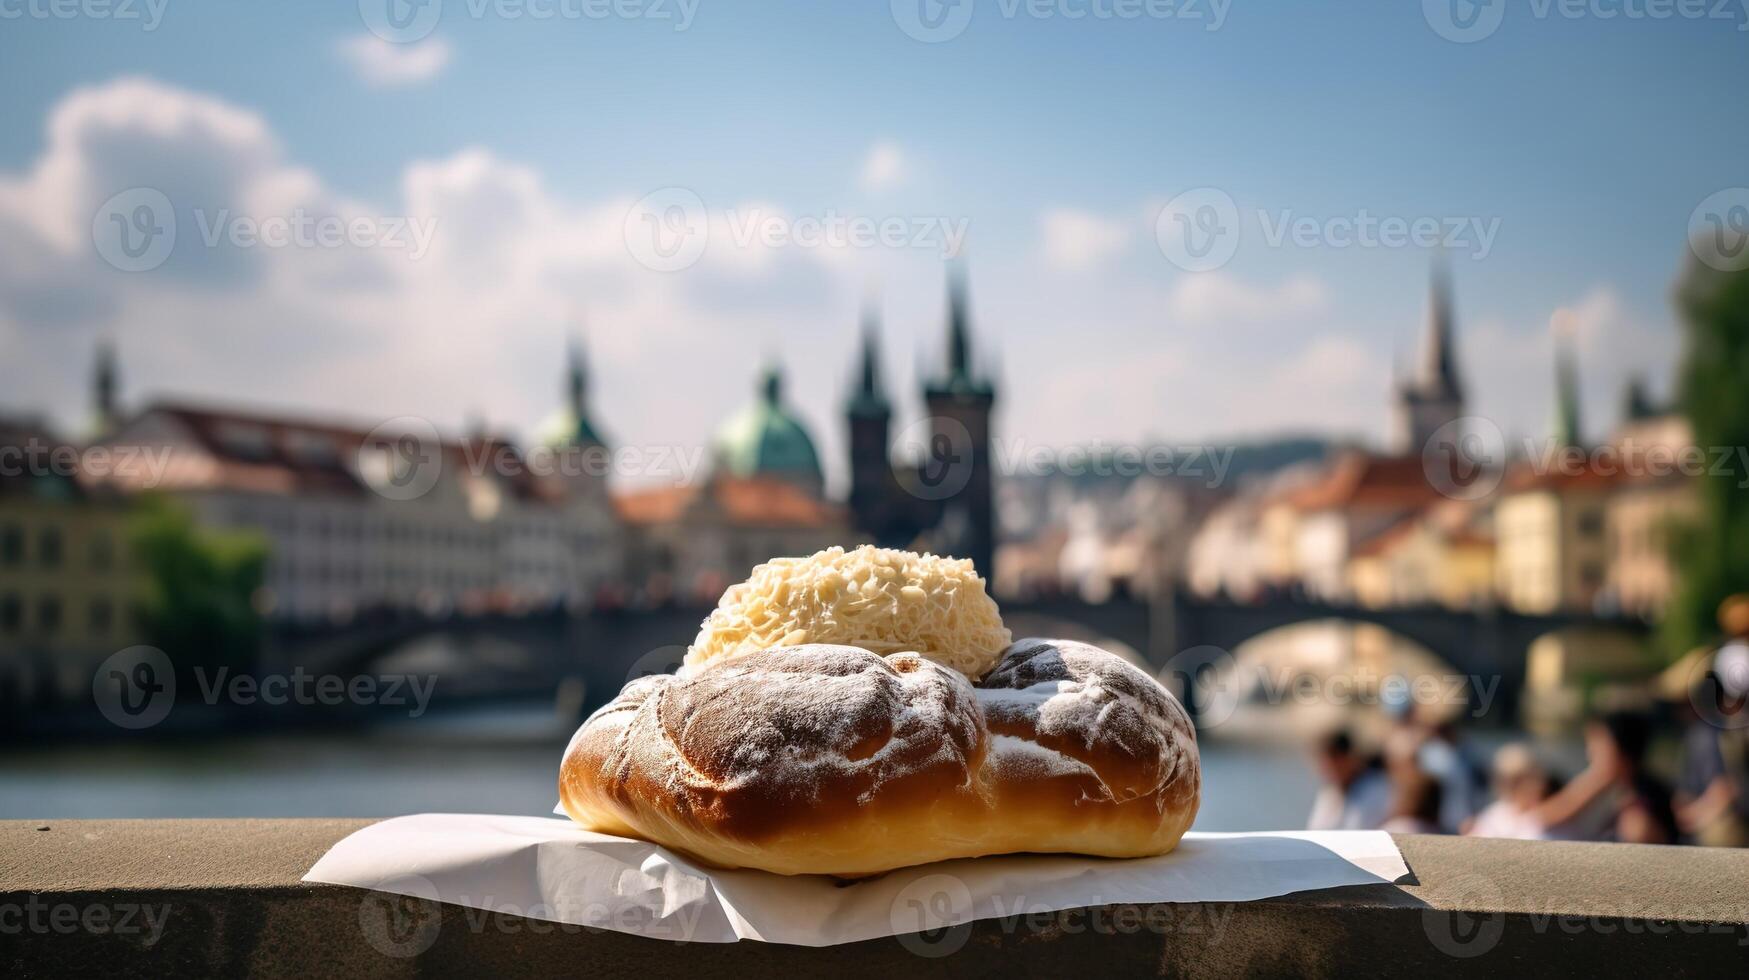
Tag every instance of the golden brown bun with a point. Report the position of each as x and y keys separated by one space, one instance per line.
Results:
x=820 y=759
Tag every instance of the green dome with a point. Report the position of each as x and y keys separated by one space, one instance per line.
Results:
x=566 y=428
x=765 y=440
x=570 y=427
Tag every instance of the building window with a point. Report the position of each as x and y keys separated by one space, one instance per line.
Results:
x=11 y=545
x=49 y=547
x=48 y=615
x=101 y=615
x=1590 y=523
x=102 y=551
x=11 y=613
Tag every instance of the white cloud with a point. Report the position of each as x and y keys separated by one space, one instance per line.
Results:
x=132 y=132
x=1512 y=368
x=1215 y=298
x=479 y=321
x=380 y=62
x=884 y=166
x=1110 y=359
x=476 y=323
x=1075 y=241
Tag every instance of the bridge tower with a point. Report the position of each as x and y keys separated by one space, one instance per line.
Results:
x=869 y=416
x=1434 y=394
x=960 y=401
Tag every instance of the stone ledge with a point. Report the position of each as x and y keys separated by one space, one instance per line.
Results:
x=228 y=901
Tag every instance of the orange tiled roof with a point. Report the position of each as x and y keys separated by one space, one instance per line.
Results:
x=769 y=501
x=756 y=501
x=1529 y=477
x=252 y=450
x=663 y=505
x=1363 y=480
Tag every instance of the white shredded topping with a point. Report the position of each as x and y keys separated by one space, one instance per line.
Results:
x=880 y=599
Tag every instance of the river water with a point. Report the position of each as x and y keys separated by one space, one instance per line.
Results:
x=505 y=760
x=500 y=761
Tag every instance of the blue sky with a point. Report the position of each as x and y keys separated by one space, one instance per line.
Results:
x=1586 y=142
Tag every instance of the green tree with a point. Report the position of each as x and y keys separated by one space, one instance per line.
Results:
x=199 y=589
x=1712 y=553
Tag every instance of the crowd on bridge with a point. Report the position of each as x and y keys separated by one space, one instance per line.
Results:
x=1425 y=776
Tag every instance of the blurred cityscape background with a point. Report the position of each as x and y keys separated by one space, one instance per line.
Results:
x=314 y=506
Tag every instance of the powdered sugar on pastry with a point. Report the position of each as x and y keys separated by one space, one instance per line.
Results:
x=809 y=724
x=834 y=760
x=1014 y=758
x=1081 y=701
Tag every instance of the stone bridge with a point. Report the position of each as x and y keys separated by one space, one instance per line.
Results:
x=530 y=655
x=1188 y=634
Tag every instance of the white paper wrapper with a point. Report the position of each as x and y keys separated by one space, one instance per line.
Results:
x=551 y=869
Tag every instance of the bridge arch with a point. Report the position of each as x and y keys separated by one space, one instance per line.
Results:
x=1489 y=646
x=1322 y=674
x=604 y=648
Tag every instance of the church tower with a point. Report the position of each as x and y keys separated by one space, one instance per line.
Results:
x=572 y=437
x=577 y=397
x=869 y=416
x=959 y=463
x=105 y=390
x=1565 y=429
x=570 y=427
x=1433 y=395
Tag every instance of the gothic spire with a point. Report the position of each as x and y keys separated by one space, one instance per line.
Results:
x=105 y=387
x=577 y=429
x=1566 y=425
x=960 y=379
x=1438 y=373
x=1637 y=401
x=577 y=377
x=771 y=384
x=870 y=397
x=959 y=343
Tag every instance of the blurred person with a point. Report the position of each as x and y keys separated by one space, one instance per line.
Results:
x=1520 y=786
x=1713 y=802
x=1355 y=794
x=1415 y=804
x=1636 y=805
x=1645 y=814
x=1442 y=756
x=1421 y=742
